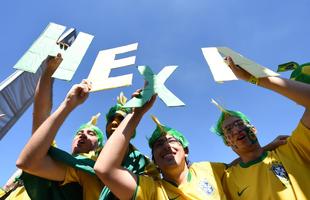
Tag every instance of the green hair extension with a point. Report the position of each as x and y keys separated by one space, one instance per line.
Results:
x=217 y=129
x=160 y=131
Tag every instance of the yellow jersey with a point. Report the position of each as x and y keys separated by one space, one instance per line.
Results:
x=283 y=173
x=91 y=185
x=18 y=194
x=203 y=182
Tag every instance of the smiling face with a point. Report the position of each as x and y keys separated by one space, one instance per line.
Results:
x=84 y=141
x=113 y=123
x=239 y=135
x=169 y=153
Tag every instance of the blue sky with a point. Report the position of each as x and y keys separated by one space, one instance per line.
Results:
x=169 y=33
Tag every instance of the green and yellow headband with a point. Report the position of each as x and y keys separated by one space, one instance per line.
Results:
x=92 y=126
x=163 y=130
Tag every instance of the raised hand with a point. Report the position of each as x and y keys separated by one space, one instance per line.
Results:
x=142 y=110
x=237 y=70
x=78 y=93
x=278 y=141
x=52 y=63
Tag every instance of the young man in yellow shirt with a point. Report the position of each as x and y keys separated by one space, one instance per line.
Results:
x=87 y=142
x=282 y=173
x=35 y=159
x=169 y=150
x=133 y=160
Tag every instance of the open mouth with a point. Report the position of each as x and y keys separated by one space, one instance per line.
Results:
x=80 y=142
x=111 y=131
x=168 y=156
x=241 y=136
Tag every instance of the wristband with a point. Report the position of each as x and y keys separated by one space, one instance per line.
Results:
x=253 y=80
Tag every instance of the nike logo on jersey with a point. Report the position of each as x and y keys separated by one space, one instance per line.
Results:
x=241 y=192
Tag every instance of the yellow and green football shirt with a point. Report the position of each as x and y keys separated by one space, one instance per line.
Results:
x=283 y=173
x=2 y=192
x=18 y=194
x=203 y=182
x=91 y=185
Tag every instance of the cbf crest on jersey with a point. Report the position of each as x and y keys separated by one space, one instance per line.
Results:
x=206 y=187
x=279 y=170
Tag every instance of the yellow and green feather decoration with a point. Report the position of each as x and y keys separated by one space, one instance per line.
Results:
x=119 y=107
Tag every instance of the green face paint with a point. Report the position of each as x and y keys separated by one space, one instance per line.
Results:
x=251 y=135
x=242 y=126
x=217 y=129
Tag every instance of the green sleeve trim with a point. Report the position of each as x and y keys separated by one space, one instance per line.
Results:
x=5 y=194
x=136 y=191
x=259 y=159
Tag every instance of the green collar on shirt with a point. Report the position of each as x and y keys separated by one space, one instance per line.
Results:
x=252 y=162
x=189 y=178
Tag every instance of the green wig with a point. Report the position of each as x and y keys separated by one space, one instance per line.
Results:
x=92 y=126
x=117 y=109
x=217 y=129
x=163 y=130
